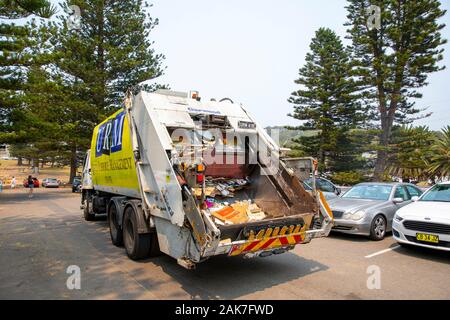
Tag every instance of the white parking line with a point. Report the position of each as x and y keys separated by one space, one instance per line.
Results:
x=381 y=252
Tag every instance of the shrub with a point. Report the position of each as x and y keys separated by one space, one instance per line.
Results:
x=348 y=178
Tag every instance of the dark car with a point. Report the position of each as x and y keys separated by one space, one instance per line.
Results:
x=76 y=184
x=330 y=191
x=35 y=182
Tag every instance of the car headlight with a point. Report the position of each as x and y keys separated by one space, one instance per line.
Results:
x=347 y=216
x=358 y=215
x=398 y=218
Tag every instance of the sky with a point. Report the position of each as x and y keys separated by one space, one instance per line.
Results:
x=251 y=51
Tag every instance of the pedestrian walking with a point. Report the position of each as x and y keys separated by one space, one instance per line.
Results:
x=13 y=183
x=1 y=185
x=30 y=186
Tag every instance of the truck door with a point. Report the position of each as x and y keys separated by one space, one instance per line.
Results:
x=86 y=175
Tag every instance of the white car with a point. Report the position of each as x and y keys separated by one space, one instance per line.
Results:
x=50 y=183
x=426 y=221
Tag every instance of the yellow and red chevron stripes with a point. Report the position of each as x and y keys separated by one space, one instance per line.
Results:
x=267 y=244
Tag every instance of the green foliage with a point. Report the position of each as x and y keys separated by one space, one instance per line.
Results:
x=410 y=151
x=67 y=81
x=326 y=101
x=15 y=9
x=15 y=59
x=439 y=162
x=348 y=178
x=111 y=53
x=394 y=62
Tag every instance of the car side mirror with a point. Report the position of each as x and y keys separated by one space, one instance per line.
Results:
x=398 y=200
x=338 y=191
x=415 y=198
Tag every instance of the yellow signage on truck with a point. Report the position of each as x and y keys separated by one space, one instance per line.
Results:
x=112 y=162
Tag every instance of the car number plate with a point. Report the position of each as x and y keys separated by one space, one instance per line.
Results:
x=427 y=237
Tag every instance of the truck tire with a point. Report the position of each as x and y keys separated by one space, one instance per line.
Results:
x=137 y=245
x=87 y=212
x=114 y=229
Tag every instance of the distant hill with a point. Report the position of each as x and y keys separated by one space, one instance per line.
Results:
x=287 y=136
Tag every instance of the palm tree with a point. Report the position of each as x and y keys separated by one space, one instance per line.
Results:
x=439 y=164
x=410 y=151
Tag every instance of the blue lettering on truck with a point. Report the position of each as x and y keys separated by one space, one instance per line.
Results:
x=109 y=136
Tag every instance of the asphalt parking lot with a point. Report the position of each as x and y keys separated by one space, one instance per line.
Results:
x=41 y=237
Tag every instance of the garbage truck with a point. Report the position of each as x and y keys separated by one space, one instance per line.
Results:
x=195 y=179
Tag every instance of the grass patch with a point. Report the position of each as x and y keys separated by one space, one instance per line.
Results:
x=9 y=168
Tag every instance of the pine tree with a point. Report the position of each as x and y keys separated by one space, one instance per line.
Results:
x=95 y=65
x=326 y=99
x=14 y=59
x=78 y=77
x=393 y=61
x=14 y=9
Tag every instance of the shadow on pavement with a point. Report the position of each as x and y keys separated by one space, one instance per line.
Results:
x=219 y=277
x=21 y=195
x=424 y=253
x=35 y=253
x=225 y=277
x=39 y=241
x=348 y=237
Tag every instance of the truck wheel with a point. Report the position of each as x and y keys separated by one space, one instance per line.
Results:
x=114 y=229
x=88 y=214
x=137 y=245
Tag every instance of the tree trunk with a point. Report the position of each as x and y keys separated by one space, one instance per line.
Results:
x=35 y=166
x=382 y=154
x=73 y=164
x=19 y=161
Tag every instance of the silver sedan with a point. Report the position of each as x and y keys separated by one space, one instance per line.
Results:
x=368 y=208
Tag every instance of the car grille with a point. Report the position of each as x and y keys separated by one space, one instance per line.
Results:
x=338 y=214
x=427 y=227
x=441 y=243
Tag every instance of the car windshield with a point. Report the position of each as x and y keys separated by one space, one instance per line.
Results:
x=321 y=184
x=370 y=192
x=439 y=193
x=307 y=186
x=52 y=180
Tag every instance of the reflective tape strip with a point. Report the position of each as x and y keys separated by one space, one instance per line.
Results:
x=268 y=233
x=284 y=241
x=276 y=231
x=324 y=203
x=260 y=235
x=266 y=244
